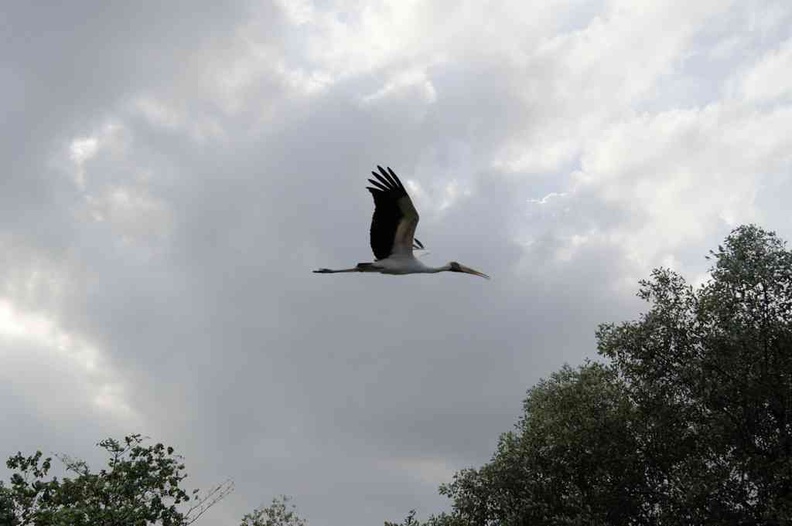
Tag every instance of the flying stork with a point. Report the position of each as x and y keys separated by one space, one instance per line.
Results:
x=393 y=231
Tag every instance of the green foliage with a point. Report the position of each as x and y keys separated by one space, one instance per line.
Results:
x=444 y=519
x=711 y=371
x=141 y=485
x=7 y=517
x=279 y=513
x=410 y=520
x=571 y=460
x=689 y=423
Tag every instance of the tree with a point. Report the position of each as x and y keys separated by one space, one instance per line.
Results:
x=712 y=372
x=276 y=514
x=690 y=422
x=571 y=459
x=141 y=485
x=7 y=517
x=444 y=519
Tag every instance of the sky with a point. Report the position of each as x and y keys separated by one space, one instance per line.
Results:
x=174 y=171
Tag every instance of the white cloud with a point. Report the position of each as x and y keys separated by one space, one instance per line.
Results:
x=112 y=188
x=297 y=11
x=771 y=77
x=132 y=212
x=681 y=174
x=348 y=40
x=405 y=84
x=81 y=150
x=546 y=199
x=176 y=117
x=596 y=76
x=87 y=380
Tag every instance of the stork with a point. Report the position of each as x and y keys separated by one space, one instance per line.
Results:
x=393 y=233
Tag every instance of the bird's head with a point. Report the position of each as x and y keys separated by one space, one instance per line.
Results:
x=456 y=267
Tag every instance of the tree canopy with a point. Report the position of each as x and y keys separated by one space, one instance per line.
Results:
x=689 y=421
x=141 y=485
x=278 y=513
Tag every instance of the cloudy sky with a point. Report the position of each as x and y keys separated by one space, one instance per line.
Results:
x=172 y=172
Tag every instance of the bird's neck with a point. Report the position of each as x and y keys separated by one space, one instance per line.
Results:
x=435 y=270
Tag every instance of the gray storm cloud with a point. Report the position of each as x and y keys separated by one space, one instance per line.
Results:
x=173 y=173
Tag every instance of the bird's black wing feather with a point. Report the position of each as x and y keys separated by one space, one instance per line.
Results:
x=386 y=190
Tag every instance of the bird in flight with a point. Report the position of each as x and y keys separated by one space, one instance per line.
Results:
x=393 y=233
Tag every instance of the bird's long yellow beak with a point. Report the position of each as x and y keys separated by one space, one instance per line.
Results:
x=468 y=270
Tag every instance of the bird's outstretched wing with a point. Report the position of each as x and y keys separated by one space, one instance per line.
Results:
x=395 y=217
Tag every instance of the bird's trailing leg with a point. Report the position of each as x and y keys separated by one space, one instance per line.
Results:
x=332 y=271
x=361 y=267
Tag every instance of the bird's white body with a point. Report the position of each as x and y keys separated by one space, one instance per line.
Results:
x=398 y=264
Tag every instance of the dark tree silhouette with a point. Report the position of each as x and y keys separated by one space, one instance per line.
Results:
x=689 y=422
